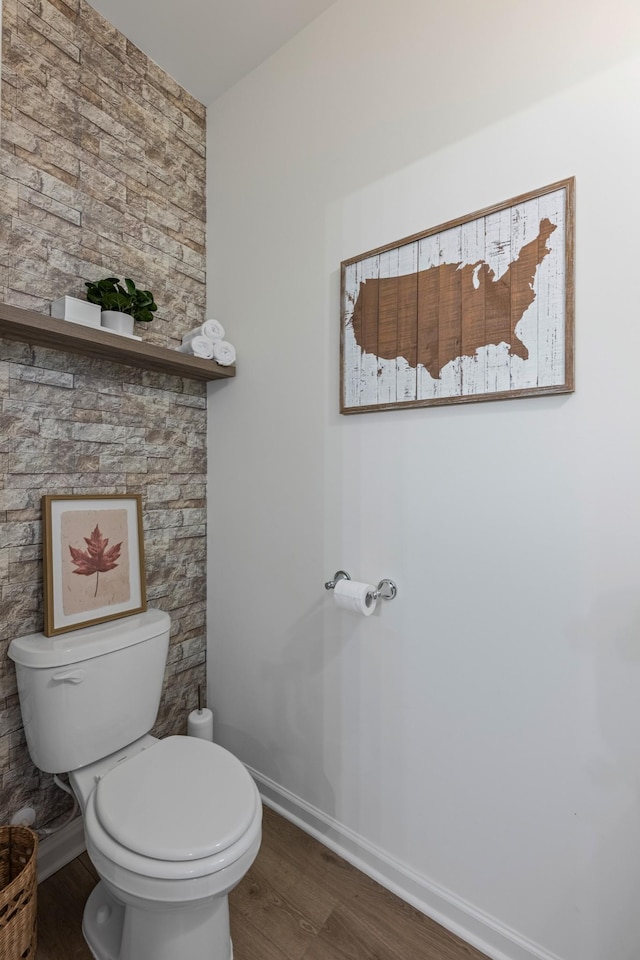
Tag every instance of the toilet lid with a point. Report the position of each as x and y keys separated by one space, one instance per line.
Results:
x=181 y=799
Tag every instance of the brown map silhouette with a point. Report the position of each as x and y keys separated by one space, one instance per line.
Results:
x=450 y=310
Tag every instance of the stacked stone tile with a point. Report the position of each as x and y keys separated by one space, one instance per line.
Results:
x=102 y=171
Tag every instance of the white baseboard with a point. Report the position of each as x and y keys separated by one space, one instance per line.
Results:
x=60 y=848
x=476 y=927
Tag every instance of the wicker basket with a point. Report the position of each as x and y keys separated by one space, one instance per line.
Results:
x=18 y=893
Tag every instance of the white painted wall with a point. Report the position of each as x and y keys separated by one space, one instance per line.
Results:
x=476 y=740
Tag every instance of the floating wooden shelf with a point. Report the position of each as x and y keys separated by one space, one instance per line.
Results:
x=44 y=331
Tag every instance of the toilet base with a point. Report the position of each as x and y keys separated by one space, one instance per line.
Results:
x=116 y=932
x=102 y=924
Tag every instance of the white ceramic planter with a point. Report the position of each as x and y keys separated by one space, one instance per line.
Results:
x=117 y=322
x=77 y=311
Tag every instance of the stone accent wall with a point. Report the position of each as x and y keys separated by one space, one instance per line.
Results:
x=102 y=171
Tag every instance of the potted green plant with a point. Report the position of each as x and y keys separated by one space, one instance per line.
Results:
x=121 y=306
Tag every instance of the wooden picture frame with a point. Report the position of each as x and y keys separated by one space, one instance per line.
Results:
x=93 y=559
x=479 y=308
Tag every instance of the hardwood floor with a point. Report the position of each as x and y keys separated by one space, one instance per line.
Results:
x=299 y=901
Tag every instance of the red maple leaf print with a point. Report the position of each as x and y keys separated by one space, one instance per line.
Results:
x=96 y=558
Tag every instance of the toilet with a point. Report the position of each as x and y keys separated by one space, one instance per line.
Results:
x=171 y=825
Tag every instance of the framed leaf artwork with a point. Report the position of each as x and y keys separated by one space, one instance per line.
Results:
x=93 y=557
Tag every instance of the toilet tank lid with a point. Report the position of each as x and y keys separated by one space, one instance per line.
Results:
x=37 y=651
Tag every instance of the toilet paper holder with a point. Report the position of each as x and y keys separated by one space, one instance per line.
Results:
x=386 y=589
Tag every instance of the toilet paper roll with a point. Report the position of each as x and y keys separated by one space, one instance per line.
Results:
x=200 y=724
x=355 y=596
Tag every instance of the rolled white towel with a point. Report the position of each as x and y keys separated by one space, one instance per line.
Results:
x=198 y=347
x=224 y=353
x=212 y=329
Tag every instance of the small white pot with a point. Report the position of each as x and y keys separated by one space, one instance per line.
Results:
x=116 y=321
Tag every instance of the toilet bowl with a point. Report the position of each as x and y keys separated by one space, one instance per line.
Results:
x=171 y=828
x=171 y=825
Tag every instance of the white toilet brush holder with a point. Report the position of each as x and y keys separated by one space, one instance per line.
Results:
x=200 y=721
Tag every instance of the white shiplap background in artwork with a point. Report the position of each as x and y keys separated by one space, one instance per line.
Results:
x=496 y=239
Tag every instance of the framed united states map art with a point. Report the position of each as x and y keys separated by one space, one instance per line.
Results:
x=479 y=308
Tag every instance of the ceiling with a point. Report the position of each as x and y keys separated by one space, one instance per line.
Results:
x=208 y=45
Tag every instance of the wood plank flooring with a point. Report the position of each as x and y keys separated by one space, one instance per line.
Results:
x=299 y=901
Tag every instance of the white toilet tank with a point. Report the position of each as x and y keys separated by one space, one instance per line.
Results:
x=90 y=692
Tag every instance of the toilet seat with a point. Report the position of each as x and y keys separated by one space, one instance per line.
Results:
x=121 y=835
x=182 y=799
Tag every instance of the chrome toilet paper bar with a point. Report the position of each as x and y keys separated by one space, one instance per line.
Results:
x=386 y=589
